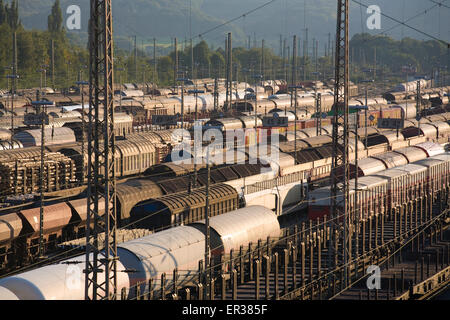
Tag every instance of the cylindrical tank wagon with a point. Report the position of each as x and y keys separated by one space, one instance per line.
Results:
x=180 y=248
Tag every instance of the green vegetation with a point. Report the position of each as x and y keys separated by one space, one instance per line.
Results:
x=71 y=57
x=393 y=55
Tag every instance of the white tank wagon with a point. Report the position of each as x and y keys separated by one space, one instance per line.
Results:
x=178 y=248
x=6 y=294
x=63 y=281
x=183 y=247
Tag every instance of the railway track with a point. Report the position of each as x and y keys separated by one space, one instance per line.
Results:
x=300 y=265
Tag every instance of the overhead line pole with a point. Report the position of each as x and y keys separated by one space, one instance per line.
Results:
x=294 y=84
x=175 y=67
x=101 y=266
x=13 y=84
x=230 y=71
x=155 y=71
x=53 y=63
x=340 y=162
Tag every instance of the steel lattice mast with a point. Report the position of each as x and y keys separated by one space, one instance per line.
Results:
x=101 y=267
x=340 y=164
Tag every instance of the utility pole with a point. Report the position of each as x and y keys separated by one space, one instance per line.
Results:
x=329 y=45
x=294 y=84
x=41 y=112
x=196 y=142
x=175 y=65
x=13 y=78
x=284 y=60
x=262 y=67
x=155 y=71
x=313 y=58
x=53 y=63
x=288 y=61
x=216 y=95
x=192 y=60
x=227 y=82
x=81 y=85
x=208 y=231
x=281 y=45
x=229 y=71
x=13 y=84
x=305 y=53
x=316 y=54
x=339 y=207
x=375 y=64
x=319 y=114
x=418 y=106
x=182 y=104
x=68 y=76
x=135 y=59
x=101 y=164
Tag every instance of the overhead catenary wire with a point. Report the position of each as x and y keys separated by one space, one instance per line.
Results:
x=234 y=19
x=408 y=20
x=407 y=25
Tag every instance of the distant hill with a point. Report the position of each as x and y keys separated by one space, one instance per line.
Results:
x=165 y=19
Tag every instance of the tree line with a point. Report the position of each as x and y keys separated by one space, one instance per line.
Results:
x=34 y=53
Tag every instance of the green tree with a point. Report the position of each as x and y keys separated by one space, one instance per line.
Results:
x=217 y=63
x=201 y=53
x=13 y=15
x=3 y=13
x=55 y=19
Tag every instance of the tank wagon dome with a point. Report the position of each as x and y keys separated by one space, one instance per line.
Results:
x=63 y=281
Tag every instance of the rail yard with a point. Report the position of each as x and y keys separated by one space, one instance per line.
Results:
x=225 y=188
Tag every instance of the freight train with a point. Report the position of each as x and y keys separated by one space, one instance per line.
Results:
x=139 y=151
x=164 y=194
x=19 y=168
x=385 y=190
x=180 y=248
